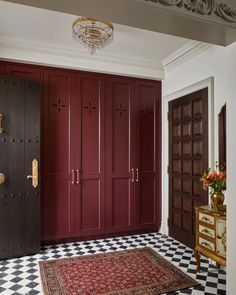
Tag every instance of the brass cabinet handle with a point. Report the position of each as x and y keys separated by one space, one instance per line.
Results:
x=137 y=175
x=77 y=176
x=73 y=176
x=34 y=176
x=1 y=128
x=132 y=175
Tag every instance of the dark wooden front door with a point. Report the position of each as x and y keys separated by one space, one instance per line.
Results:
x=19 y=145
x=188 y=158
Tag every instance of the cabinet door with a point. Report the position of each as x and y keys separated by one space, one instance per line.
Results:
x=58 y=192
x=148 y=147
x=88 y=131
x=120 y=207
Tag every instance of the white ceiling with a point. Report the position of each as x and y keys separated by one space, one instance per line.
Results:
x=49 y=27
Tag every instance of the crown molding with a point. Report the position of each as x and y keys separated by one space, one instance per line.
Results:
x=51 y=55
x=183 y=54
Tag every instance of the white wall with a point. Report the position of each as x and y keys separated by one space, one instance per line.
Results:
x=231 y=167
x=219 y=63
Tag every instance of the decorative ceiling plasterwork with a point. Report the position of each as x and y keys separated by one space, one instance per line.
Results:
x=203 y=7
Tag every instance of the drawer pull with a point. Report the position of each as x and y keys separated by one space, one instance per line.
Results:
x=204 y=218
x=206 y=231
x=207 y=245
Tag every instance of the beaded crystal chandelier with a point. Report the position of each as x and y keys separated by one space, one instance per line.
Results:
x=92 y=33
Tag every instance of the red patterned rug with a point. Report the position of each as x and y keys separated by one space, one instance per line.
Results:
x=138 y=271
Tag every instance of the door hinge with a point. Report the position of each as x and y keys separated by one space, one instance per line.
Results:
x=168 y=116
x=168 y=169
x=168 y=221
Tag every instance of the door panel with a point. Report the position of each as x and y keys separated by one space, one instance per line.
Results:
x=91 y=111
x=120 y=151
x=147 y=191
x=121 y=204
x=90 y=150
x=147 y=204
x=91 y=201
x=188 y=158
x=58 y=198
x=20 y=106
x=60 y=207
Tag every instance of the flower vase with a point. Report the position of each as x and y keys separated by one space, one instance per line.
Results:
x=217 y=199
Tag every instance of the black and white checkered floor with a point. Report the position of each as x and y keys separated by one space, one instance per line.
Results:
x=21 y=275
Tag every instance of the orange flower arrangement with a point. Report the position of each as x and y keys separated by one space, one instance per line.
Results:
x=214 y=179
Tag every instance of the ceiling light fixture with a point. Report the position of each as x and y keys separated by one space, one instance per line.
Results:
x=92 y=33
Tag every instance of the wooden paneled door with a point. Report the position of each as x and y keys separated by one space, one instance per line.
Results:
x=20 y=148
x=133 y=155
x=148 y=153
x=120 y=161
x=59 y=195
x=88 y=130
x=188 y=158
x=73 y=191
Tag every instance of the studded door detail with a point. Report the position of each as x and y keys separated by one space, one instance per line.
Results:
x=19 y=145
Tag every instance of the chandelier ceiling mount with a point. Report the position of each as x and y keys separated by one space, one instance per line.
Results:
x=92 y=33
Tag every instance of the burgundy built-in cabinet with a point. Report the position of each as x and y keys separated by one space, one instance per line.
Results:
x=101 y=152
x=74 y=149
x=132 y=167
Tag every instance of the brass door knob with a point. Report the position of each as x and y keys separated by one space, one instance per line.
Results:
x=2 y=178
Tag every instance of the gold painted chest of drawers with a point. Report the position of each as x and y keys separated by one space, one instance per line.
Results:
x=210 y=235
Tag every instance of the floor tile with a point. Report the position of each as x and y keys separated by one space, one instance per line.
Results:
x=21 y=275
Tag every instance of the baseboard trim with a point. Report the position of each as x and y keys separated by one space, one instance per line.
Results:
x=95 y=237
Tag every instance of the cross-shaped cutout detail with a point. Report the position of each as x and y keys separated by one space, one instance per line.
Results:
x=120 y=110
x=59 y=105
x=90 y=108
